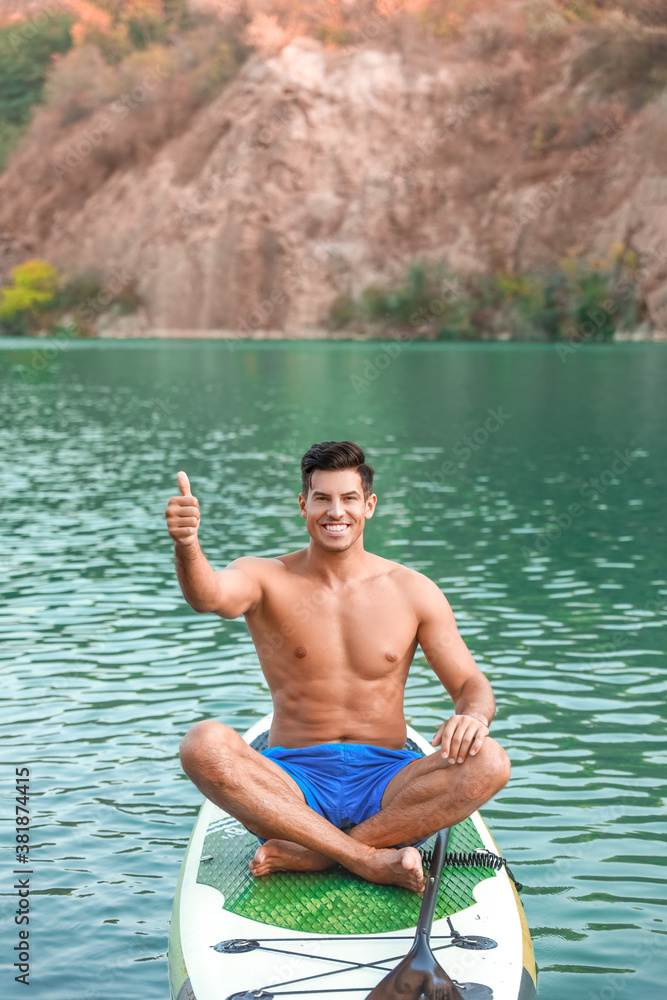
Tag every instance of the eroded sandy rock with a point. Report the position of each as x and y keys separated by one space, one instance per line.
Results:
x=321 y=170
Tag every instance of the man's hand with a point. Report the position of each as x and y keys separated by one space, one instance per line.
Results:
x=183 y=514
x=459 y=736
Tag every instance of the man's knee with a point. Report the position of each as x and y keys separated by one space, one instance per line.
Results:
x=492 y=772
x=498 y=764
x=205 y=743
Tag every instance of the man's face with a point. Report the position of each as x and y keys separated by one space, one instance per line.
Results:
x=335 y=509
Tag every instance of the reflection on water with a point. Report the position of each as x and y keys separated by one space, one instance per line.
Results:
x=482 y=454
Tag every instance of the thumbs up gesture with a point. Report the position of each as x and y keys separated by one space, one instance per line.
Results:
x=183 y=514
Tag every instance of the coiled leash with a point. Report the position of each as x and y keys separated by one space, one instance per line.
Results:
x=474 y=859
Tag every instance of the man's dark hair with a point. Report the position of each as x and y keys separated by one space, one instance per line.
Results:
x=336 y=455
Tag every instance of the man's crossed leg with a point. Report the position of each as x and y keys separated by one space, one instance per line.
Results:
x=426 y=795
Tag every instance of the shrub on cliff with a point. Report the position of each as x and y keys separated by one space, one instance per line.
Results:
x=41 y=298
x=601 y=294
x=589 y=298
x=26 y=54
x=132 y=24
x=32 y=294
x=430 y=300
x=175 y=78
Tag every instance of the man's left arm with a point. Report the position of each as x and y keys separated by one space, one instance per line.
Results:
x=464 y=733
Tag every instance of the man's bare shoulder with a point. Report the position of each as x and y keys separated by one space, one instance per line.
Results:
x=263 y=567
x=419 y=587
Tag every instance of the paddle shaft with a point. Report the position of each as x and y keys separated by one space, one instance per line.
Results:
x=427 y=911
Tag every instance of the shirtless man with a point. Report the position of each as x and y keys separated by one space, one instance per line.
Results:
x=336 y=629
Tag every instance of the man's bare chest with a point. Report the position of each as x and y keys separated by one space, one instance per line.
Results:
x=369 y=627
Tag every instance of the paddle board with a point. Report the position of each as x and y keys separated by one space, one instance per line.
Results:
x=330 y=935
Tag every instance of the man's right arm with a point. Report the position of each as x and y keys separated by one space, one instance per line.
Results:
x=230 y=592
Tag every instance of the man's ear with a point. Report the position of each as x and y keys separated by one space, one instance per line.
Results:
x=302 y=505
x=370 y=505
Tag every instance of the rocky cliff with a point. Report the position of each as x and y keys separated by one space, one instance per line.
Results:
x=321 y=169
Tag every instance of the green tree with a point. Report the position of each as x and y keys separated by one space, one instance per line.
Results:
x=26 y=51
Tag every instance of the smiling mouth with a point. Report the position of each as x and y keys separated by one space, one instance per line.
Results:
x=335 y=529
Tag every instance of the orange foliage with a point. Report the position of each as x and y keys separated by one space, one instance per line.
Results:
x=89 y=16
x=92 y=19
x=136 y=7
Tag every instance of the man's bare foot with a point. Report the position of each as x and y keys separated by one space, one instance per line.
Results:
x=389 y=866
x=284 y=856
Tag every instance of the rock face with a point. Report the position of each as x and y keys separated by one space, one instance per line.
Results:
x=322 y=170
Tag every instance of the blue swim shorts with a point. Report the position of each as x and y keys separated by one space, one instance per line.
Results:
x=344 y=782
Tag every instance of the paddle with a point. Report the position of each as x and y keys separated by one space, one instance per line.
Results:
x=419 y=974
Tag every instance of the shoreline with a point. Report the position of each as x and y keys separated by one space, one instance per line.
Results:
x=158 y=333
x=359 y=334
x=61 y=339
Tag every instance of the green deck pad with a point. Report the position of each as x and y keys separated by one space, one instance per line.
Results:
x=333 y=902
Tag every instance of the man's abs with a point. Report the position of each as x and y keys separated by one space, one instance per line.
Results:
x=313 y=715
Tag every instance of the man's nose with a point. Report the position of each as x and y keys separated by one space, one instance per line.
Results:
x=335 y=509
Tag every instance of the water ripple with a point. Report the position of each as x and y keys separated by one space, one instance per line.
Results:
x=105 y=668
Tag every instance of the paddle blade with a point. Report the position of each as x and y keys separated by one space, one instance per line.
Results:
x=418 y=975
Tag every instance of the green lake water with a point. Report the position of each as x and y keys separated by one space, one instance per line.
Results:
x=529 y=486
